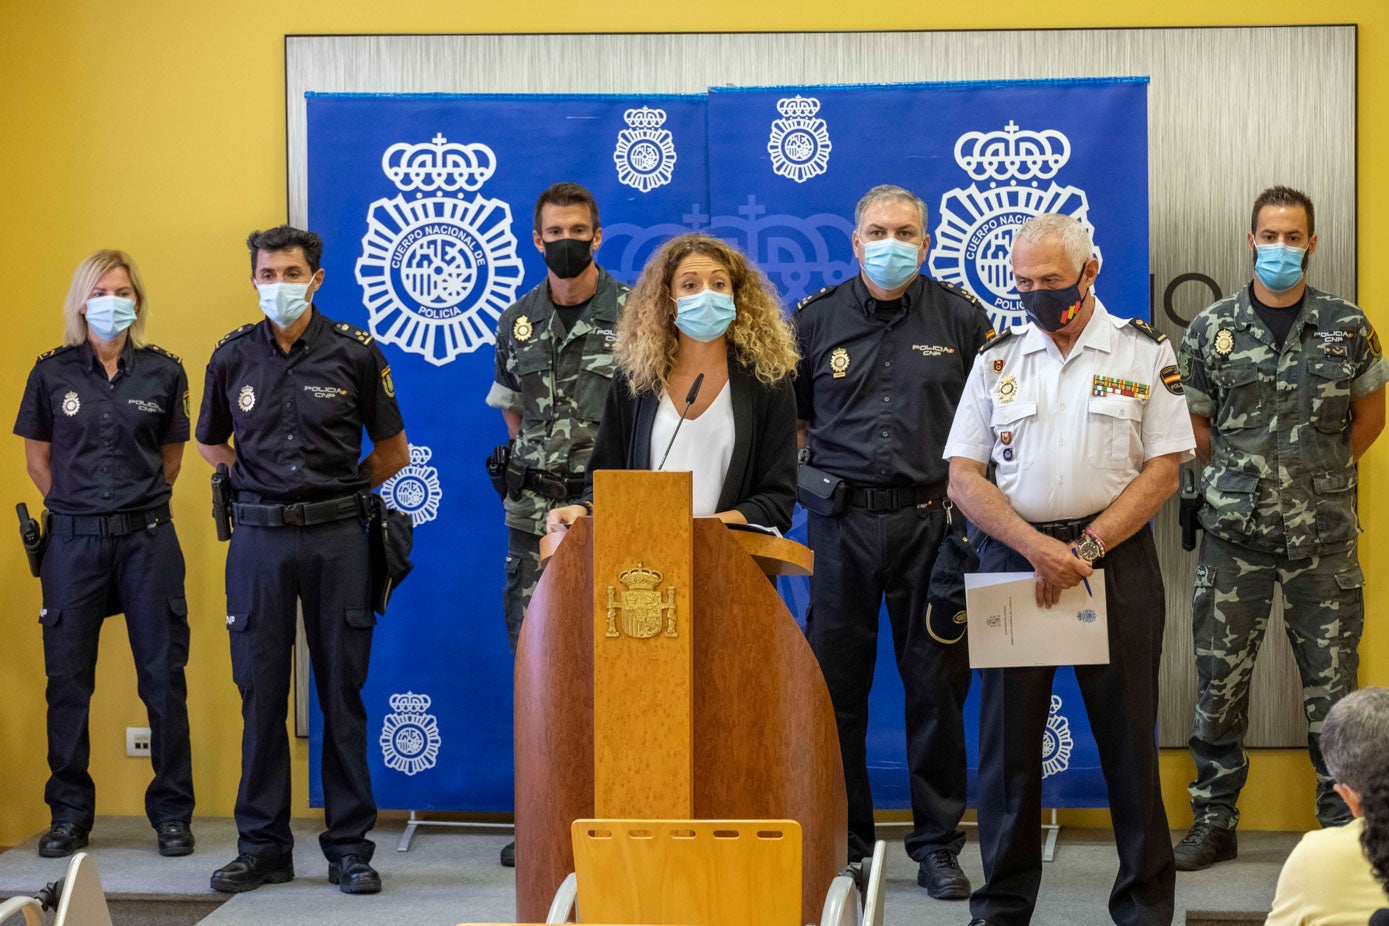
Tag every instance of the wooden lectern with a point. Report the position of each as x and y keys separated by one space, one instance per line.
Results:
x=659 y=675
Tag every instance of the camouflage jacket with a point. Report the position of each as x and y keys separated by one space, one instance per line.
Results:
x=557 y=386
x=1281 y=477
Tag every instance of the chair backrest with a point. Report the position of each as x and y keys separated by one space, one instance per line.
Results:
x=83 y=902
x=690 y=872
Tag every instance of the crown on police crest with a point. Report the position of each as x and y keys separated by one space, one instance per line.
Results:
x=798 y=107
x=420 y=455
x=439 y=164
x=1012 y=153
x=640 y=578
x=645 y=118
x=410 y=703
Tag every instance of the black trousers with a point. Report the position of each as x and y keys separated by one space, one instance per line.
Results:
x=84 y=579
x=269 y=569
x=1121 y=700
x=862 y=557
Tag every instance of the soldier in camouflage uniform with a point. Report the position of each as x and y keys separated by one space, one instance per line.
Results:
x=554 y=364
x=1285 y=385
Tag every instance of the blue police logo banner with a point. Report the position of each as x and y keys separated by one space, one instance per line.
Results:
x=425 y=205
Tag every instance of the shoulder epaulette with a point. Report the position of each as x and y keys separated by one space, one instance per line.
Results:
x=60 y=349
x=353 y=332
x=813 y=296
x=996 y=340
x=1146 y=329
x=958 y=290
x=233 y=335
x=163 y=353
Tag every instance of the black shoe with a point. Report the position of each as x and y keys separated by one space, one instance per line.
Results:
x=353 y=875
x=509 y=855
x=62 y=839
x=247 y=872
x=175 y=838
x=940 y=874
x=1204 y=845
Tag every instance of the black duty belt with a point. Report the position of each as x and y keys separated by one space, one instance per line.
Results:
x=1064 y=531
x=556 y=488
x=109 y=525
x=301 y=514
x=874 y=498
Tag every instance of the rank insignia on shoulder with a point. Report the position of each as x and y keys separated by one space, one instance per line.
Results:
x=997 y=339
x=959 y=290
x=233 y=335
x=1172 y=379
x=164 y=353
x=352 y=331
x=812 y=297
x=54 y=352
x=1147 y=329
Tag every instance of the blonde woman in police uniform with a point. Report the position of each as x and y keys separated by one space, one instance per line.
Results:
x=1083 y=417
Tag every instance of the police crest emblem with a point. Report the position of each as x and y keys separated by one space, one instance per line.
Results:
x=839 y=362
x=521 y=330
x=1224 y=342
x=1057 y=741
x=415 y=490
x=246 y=400
x=1007 y=389
x=71 y=404
x=437 y=271
x=410 y=737
x=645 y=608
x=645 y=152
x=800 y=141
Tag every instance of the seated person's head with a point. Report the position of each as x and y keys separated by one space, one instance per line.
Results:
x=1355 y=744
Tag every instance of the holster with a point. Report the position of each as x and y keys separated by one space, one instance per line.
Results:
x=1191 y=501
x=496 y=464
x=222 y=500
x=390 y=540
x=34 y=538
x=820 y=492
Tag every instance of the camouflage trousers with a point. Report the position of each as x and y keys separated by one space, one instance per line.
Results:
x=1324 y=613
x=522 y=576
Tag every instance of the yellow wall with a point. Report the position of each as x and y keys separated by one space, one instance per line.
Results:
x=158 y=127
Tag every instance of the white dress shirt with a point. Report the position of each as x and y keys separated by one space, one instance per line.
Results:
x=704 y=447
x=1068 y=434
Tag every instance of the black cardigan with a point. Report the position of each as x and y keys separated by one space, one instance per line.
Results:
x=761 y=480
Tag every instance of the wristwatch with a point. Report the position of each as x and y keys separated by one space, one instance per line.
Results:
x=1090 y=547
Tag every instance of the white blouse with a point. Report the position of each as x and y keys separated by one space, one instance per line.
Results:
x=704 y=447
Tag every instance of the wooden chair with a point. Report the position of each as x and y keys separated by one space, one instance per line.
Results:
x=700 y=873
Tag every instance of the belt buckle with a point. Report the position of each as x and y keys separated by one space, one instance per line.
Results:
x=294 y=515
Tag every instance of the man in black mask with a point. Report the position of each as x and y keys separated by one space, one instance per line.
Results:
x=554 y=364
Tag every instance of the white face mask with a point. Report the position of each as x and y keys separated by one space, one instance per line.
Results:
x=283 y=303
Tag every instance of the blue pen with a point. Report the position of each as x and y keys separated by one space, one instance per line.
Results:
x=1082 y=578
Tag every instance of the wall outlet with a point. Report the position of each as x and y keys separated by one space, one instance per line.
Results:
x=137 y=742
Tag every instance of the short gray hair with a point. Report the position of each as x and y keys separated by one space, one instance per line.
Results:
x=1355 y=738
x=1065 y=228
x=888 y=192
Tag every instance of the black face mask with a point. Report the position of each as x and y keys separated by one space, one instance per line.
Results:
x=1054 y=309
x=568 y=257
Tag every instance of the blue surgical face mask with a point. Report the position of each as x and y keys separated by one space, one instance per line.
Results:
x=108 y=316
x=890 y=263
x=283 y=303
x=704 y=315
x=1279 y=266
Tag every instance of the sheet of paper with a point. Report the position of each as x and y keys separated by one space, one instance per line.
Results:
x=1007 y=628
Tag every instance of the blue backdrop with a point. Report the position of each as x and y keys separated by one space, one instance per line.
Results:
x=424 y=204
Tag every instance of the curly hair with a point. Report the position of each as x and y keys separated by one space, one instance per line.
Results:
x=1374 y=804
x=648 y=341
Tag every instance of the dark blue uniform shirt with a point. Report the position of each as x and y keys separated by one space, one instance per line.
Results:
x=879 y=388
x=298 y=417
x=106 y=435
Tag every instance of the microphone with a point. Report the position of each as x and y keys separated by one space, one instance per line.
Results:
x=689 y=400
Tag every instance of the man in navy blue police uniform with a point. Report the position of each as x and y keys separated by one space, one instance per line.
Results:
x=296 y=391
x=884 y=358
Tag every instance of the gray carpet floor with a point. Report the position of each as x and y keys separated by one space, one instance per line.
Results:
x=451 y=875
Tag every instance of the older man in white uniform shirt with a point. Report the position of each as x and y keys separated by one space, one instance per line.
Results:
x=1083 y=417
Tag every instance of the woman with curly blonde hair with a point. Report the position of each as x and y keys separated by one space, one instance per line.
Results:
x=701 y=312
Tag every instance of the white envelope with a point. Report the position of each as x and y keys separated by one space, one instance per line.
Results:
x=1007 y=628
